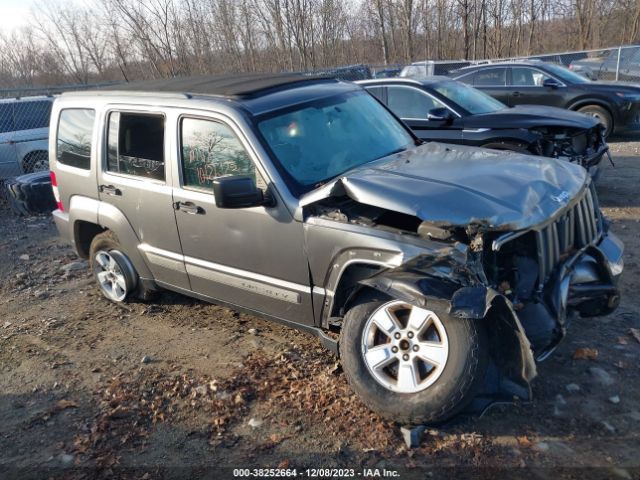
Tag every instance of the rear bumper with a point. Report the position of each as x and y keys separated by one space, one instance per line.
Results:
x=61 y=220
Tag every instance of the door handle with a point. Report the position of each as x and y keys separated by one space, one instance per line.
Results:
x=189 y=207
x=517 y=94
x=111 y=190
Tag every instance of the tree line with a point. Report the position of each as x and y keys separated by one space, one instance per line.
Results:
x=115 y=40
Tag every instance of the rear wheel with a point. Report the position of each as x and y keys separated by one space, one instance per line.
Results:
x=114 y=273
x=601 y=114
x=36 y=162
x=411 y=364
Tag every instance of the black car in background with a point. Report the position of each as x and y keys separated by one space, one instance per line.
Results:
x=616 y=105
x=441 y=109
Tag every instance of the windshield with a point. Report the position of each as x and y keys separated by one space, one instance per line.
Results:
x=322 y=139
x=565 y=74
x=472 y=100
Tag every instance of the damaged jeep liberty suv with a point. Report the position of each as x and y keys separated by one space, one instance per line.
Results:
x=447 y=271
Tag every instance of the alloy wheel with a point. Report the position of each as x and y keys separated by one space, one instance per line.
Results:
x=405 y=348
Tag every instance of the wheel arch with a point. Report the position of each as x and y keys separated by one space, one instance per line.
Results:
x=584 y=102
x=89 y=217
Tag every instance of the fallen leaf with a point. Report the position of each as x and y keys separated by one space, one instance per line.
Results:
x=284 y=464
x=275 y=438
x=63 y=404
x=523 y=441
x=635 y=333
x=585 y=354
x=623 y=340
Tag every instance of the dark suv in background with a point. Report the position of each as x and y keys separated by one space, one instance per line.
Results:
x=615 y=105
x=441 y=109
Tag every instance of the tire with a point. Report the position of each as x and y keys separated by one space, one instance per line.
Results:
x=436 y=396
x=115 y=275
x=602 y=114
x=30 y=194
x=37 y=161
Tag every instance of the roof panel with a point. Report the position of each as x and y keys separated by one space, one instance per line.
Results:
x=243 y=85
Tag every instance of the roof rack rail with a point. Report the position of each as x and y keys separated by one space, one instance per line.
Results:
x=121 y=93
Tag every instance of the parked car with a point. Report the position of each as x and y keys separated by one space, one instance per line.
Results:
x=441 y=109
x=607 y=63
x=307 y=202
x=614 y=104
x=24 y=133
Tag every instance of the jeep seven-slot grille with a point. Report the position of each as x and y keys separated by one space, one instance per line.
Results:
x=572 y=230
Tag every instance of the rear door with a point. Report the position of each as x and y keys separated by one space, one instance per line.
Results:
x=8 y=157
x=133 y=179
x=492 y=81
x=250 y=257
x=413 y=104
x=526 y=88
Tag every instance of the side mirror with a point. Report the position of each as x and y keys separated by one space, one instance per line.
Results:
x=237 y=192
x=550 y=83
x=440 y=115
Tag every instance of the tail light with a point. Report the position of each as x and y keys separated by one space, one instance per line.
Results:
x=56 y=192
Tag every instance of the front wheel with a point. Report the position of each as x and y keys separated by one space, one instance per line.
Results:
x=600 y=114
x=412 y=365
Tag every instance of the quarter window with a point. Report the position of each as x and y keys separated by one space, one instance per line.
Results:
x=211 y=150
x=136 y=144
x=491 y=77
x=411 y=103
x=73 y=142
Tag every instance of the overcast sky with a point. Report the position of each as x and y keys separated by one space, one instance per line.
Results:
x=14 y=13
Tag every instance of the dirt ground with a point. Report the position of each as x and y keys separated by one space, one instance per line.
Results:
x=179 y=388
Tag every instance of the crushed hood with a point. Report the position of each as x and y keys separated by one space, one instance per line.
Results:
x=457 y=186
x=529 y=116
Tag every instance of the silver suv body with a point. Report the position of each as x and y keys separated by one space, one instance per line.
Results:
x=306 y=201
x=24 y=133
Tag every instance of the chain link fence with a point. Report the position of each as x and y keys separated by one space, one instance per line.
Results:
x=619 y=63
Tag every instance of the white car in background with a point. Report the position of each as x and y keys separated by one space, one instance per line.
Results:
x=24 y=135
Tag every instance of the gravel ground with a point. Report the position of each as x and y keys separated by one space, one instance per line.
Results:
x=182 y=389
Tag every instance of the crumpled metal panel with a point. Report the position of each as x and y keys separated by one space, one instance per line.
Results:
x=459 y=186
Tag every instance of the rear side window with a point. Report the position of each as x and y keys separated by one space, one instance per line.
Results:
x=73 y=142
x=211 y=150
x=491 y=77
x=136 y=144
x=30 y=115
x=376 y=92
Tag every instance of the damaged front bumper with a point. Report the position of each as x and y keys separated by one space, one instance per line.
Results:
x=586 y=283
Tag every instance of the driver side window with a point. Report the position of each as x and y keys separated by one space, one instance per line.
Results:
x=209 y=150
x=527 y=77
x=408 y=102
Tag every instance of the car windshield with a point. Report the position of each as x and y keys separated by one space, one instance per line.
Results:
x=565 y=74
x=472 y=100
x=324 y=138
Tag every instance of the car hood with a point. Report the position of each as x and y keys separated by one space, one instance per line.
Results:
x=460 y=186
x=528 y=116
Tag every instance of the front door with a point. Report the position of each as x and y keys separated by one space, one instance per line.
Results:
x=249 y=257
x=133 y=180
x=413 y=105
x=527 y=88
